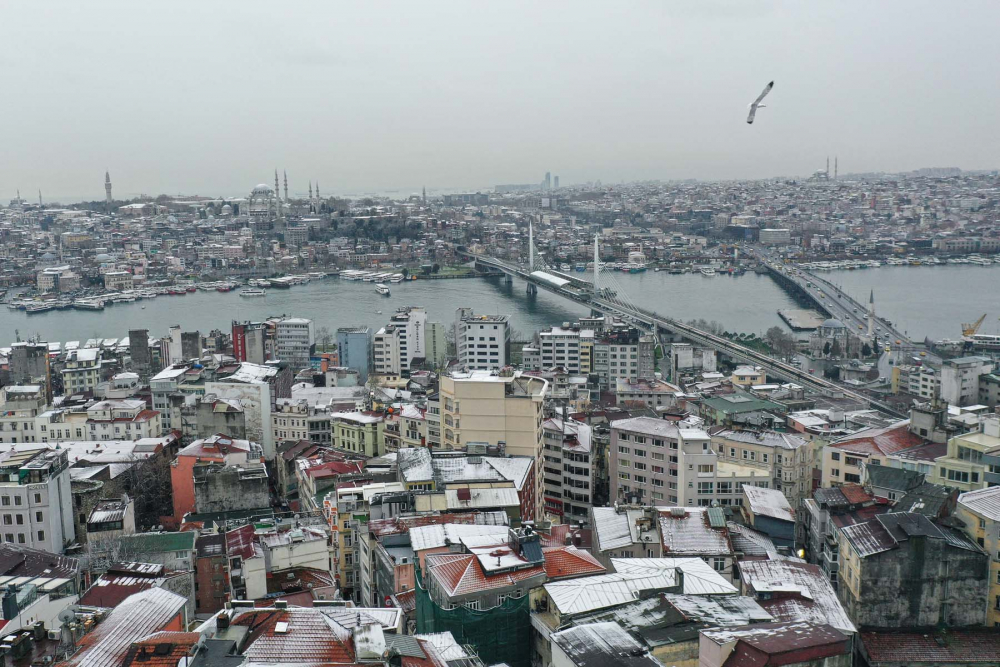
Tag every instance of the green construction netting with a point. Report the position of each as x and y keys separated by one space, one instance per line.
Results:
x=500 y=634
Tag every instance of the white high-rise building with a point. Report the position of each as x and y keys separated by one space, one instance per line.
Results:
x=401 y=341
x=294 y=341
x=482 y=342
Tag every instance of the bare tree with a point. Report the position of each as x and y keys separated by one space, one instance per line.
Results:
x=324 y=337
x=147 y=481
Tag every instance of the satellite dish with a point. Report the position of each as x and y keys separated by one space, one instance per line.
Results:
x=66 y=616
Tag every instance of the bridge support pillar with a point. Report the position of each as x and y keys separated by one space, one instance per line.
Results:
x=508 y=279
x=532 y=289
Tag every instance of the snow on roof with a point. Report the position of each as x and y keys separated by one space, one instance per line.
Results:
x=984 y=502
x=816 y=601
x=578 y=596
x=482 y=498
x=692 y=533
x=435 y=536
x=769 y=438
x=699 y=577
x=768 y=502
x=611 y=528
x=648 y=425
x=601 y=644
x=251 y=374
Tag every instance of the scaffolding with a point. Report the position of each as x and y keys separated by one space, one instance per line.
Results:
x=499 y=634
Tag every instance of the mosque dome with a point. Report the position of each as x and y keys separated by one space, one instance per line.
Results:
x=261 y=190
x=834 y=324
x=227 y=210
x=103 y=257
x=48 y=256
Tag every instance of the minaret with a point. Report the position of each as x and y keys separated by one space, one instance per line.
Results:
x=286 y=185
x=107 y=187
x=827 y=167
x=317 y=191
x=871 y=314
x=39 y=196
x=834 y=167
x=277 y=194
x=597 y=263
x=425 y=195
x=310 y=190
x=531 y=247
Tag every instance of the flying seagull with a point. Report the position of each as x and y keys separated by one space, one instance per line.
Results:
x=756 y=103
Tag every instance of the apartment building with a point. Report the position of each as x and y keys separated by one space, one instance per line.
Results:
x=686 y=358
x=972 y=460
x=36 y=508
x=482 y=342
x=295 y=341
x=844 y=457
x=980 y=511
x=568 y=347
x=665 y=463
x=568 y=470
x=19 y=406
x=478 y=406
x=290 y=421
x=358 y=432
x=788 y=458
x=81 y=370
x=960 y=379
x=354 y=344
x=400 y=342
x=387 y=353
x=626 y=354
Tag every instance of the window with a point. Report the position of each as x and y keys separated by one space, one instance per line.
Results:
x=835 y=472
x=719 y=564
x=732 y=452
x=852 y=478
x=41 y=536
x=705 y=488
x=38 y=499
x=38 y=517
x=835 y=456
x=706 y=469
x=852 y=461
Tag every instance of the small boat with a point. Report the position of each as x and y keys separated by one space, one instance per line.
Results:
x=250 y=291
x=382 y=289
x=192 y=288
x=707 y=271
x=39 y=308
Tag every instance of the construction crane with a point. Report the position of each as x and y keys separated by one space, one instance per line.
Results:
x=971 y=329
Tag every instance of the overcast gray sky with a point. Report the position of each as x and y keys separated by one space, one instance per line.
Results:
x=210 y=97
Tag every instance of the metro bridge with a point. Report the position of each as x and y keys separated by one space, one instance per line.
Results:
x=611 y=301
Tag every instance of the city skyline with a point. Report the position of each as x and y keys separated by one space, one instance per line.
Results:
x=451 y=100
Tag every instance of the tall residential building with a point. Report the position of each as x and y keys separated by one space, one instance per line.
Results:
x=437 y=345
x=568 y=347
x=401 y=341
x=627 y=354
x=568 y=470
x=386 y=351
x=980 y=512
x=29 y=364
x=19 y=406
x=37 y=505
x=81 y=370
x=478 y=406
x=666 y=463
x=139 y=353
x=250 y=341
x=295 y=342
x=960 y=379
x=972 y=460
x=354 y=345
x=482 y=342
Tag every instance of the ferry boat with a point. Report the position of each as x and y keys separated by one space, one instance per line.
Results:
x=707 y=271
x=39 y=308
x=252 y=291
x=581 y=267
x=382 y=289
x=396 y=278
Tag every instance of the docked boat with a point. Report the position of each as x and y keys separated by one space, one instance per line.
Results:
x=382 y=289
x=252 y=291
x=707 y=271
x=33 y=308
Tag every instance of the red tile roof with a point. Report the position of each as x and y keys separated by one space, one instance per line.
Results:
x=855 y=494
x=880 y=441
x=566 y=562
x=970 y=646
x=407 y=601
x=240 y=542
x=398 y=525
x=310 y=638
x=556 y=536
x=461 y=574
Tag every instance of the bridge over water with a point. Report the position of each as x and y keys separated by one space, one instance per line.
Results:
x=608 y=301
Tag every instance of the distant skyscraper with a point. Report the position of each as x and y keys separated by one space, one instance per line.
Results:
x=547 y=183
x=107 y=187
x=555 y=182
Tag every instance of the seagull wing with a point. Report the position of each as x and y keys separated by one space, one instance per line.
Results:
x=753 y=112
x=767 y=89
